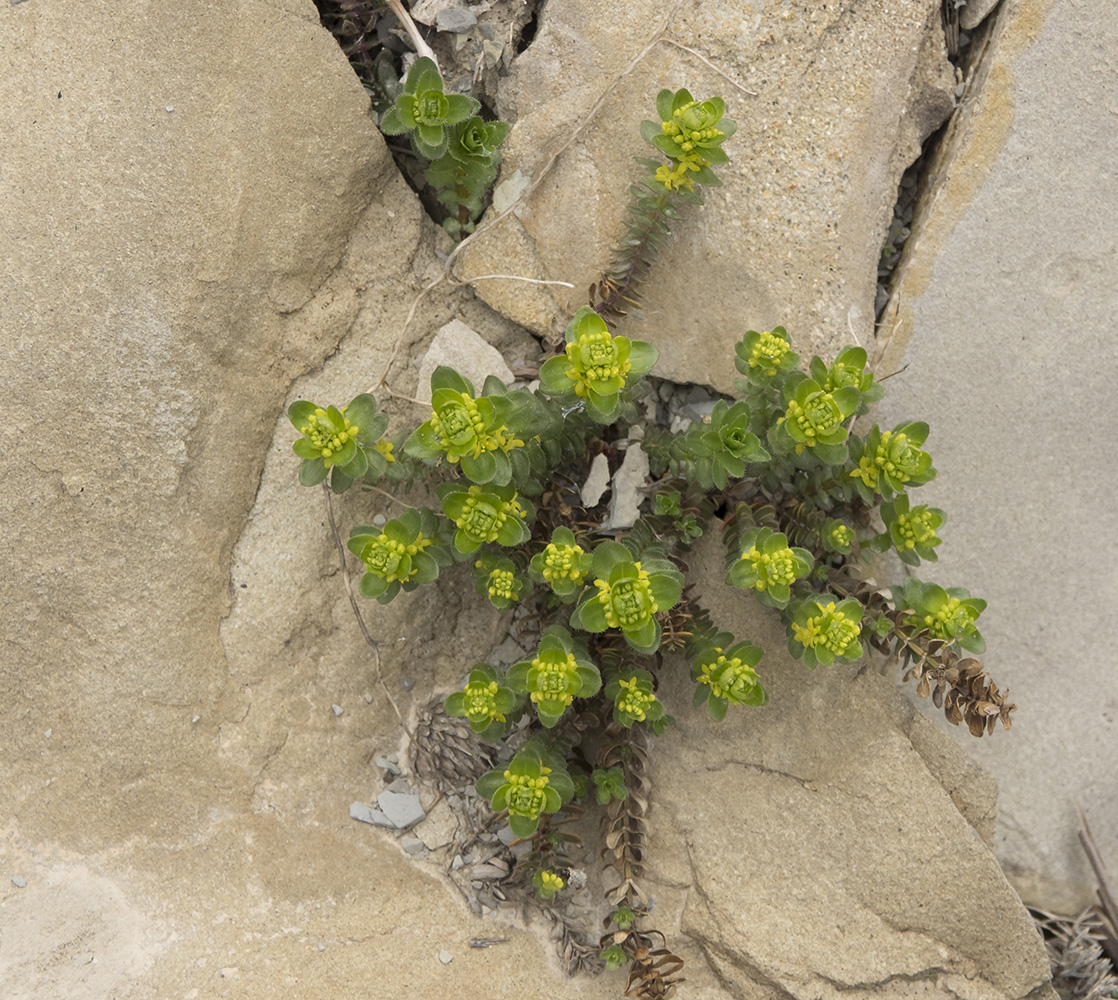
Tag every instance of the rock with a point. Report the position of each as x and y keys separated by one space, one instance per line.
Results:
x=460 y=348
x=402 y=810
x=445 y=957
x=411 y=845
x=440 y=826
x=457 y=20
x=597 y=481
x=19 y=881
x=1037 y=130
x=426 y=11
x=813 y=843
x=974 y=12
x=386 y=765
x=794 y=234
x=628 y=489
x=337 y=709
x=367 y=814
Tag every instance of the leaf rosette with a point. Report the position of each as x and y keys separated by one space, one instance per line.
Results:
x=633 y=697
x=947 y=614
x=474 y=432
x=484 y=702
x=596 y=366
x=562 y=565
x=534 y=782
x=820 y=633
x=727 y=678
x=405 y=553
x=769 y=566
x=485 y=515
x=560 y=672
x=887 y=462
x=629 y=595
x=342 y=440
x=814 y=417
x=425 y=112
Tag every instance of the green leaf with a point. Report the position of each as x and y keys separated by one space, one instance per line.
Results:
x=393 y=123
x=522 y=826
x=311 y=473
x=300 y=412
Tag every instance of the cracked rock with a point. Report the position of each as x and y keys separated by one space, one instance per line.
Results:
x=401 y=810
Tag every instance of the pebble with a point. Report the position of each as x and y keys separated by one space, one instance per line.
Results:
x=456 y=863
x=412 y=845
x=445 y=957
x=386 y=765
x=366 y=814
x=407 y=683
x=401 y=786
x=337 y=709
x=393 y=757
x=380 y=520
x=596 y=481
x=456 y=20
x=19 y=882
x=196 y=718
x=506 y=836
x=402 y=810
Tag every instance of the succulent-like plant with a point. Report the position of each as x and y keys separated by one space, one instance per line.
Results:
x=344 y=440
x=769 y=566
x=406 y=552
x=629 y=594
x=560 y=672
x=535 y=782
x=822 y=631
x=424 y=113
x=596 y=366
x=485 y=702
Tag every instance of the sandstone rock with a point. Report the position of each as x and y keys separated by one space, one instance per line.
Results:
x=845 y=92
x=1014 y=253
x=460 y=348
x=810 y=848
x=974 y=13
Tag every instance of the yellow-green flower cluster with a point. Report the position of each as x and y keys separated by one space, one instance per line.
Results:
x=502 y=585
x=324 y=434
x=679 y=177
x=769 y=566
x=484 y=701
x=632 y=700
x=823 y=632
x=547 y=884
x=727 y=677
x=627 y=604
x=762 y=356
x=888 y=461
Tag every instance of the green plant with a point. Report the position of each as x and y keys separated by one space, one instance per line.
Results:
x=801 y=499
x=446 y=130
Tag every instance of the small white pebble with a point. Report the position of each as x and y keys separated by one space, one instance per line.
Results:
x=380 y=520
x=337 y=709
x=445 y=957
x=322 y=947
x=195 y=719
x=47 y=734
x=19 y=882
x=170 y=107
x=391 y=214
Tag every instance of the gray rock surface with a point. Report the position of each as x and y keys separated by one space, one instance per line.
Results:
x=806 y=847
x=464 y=350
x=1005 y=319
x=845 y=92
